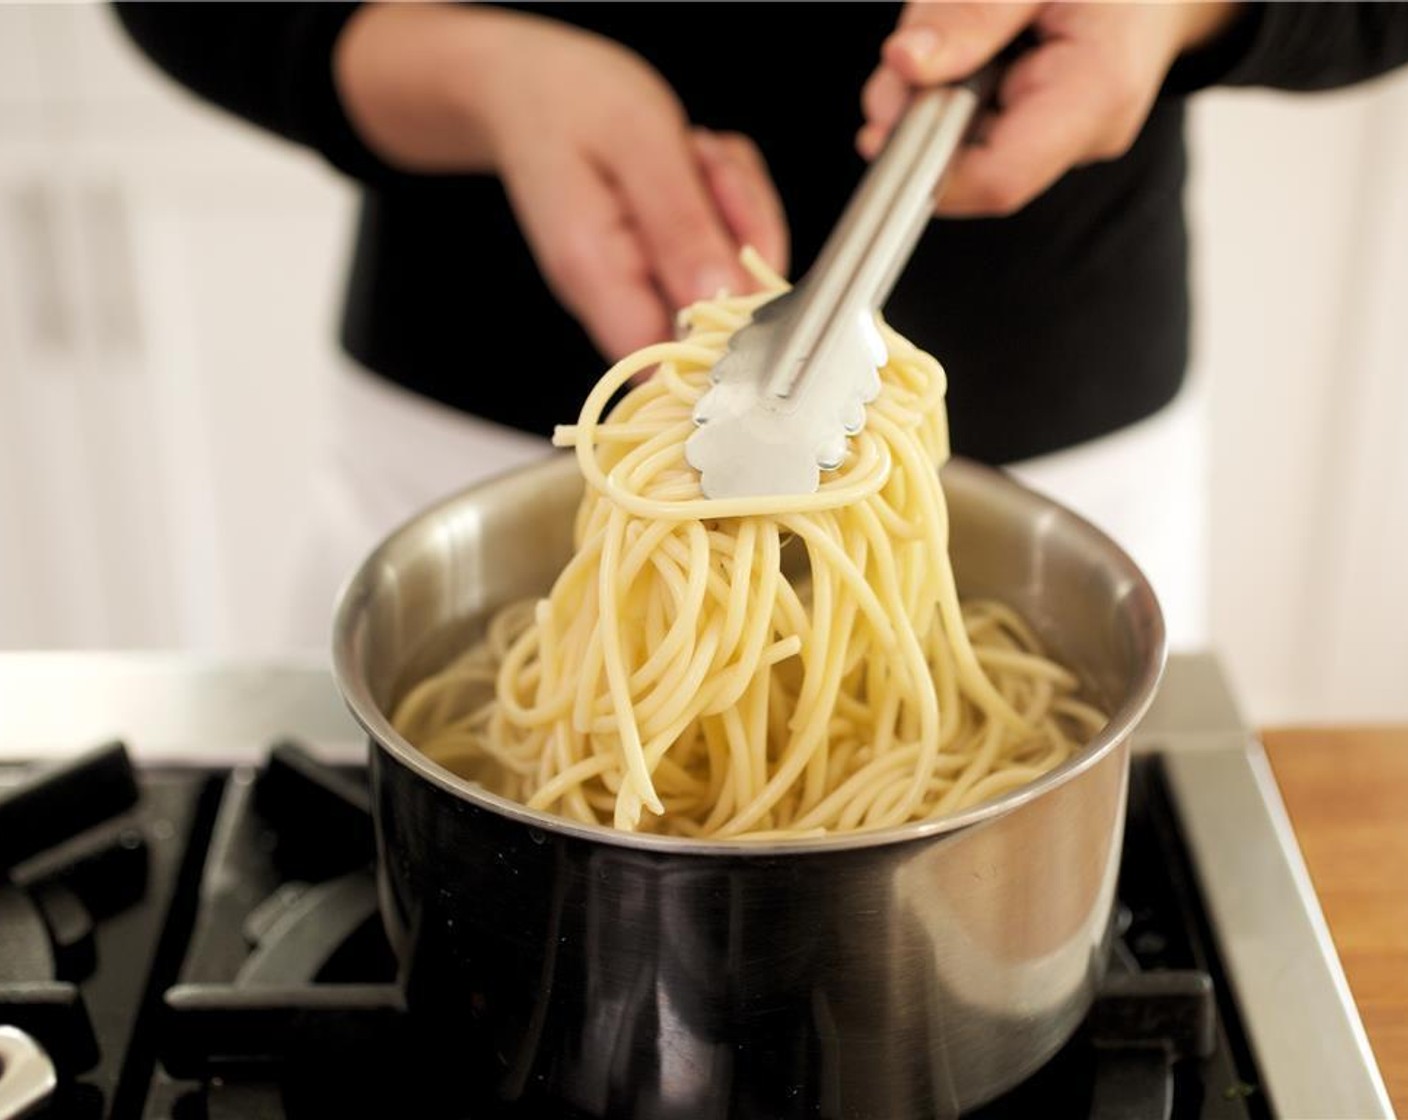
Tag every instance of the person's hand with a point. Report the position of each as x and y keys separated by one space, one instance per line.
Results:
x=630 y=212
x=1079 y=96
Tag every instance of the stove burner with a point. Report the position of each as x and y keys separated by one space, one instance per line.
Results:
x=259 y=987
x=297 y=936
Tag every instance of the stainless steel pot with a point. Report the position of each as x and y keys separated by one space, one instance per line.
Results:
x=570 y=970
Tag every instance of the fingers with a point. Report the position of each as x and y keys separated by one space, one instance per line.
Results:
x=1079 y=97
x=743 y=191
x=690 y=250
x=589 y=253
x=1063 y=105
x=938 y=43
x=623 y=244
x=884 y=97
x=934 y=44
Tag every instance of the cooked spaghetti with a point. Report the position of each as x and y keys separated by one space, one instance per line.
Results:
x=752 y=668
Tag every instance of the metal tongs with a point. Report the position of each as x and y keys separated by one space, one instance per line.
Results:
x=795 y=382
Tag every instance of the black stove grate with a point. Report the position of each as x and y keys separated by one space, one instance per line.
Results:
x=230 y=919
x=92 y=855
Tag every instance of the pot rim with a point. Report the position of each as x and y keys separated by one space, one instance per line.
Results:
x=351 y=682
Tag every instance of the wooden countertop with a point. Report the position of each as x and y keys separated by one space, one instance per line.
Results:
x=1346 y=790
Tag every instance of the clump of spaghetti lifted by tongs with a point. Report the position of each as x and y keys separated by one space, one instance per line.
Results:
x=795 y=382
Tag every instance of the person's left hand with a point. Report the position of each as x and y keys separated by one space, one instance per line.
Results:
x=1081 y=95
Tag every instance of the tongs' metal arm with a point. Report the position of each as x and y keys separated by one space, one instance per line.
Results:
x=876 y=235
x=794 y=382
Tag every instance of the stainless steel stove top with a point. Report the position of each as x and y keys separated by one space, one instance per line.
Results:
x=1308 y=1040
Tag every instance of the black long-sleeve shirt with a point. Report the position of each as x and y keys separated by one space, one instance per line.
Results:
x=1058 y=324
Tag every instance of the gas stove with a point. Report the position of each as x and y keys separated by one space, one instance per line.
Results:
x=189 y=929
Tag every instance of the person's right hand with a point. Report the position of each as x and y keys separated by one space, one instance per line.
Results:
x=630 y=212
x=1079 y=95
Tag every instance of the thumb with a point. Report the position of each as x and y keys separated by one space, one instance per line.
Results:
x=938 y=43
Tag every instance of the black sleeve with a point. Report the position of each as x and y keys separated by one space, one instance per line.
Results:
x=1300 y=47
x=269 y=63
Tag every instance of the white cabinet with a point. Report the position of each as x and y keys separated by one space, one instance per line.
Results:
x=64 y=403
x=168 y=285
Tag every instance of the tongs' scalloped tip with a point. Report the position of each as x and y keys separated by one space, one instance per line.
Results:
x=754 y=441
x=771 y=469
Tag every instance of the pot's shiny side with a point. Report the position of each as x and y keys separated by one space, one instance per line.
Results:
x=569 y=971
x=913 y=979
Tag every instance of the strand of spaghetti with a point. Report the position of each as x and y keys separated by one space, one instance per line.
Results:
x=809 y=736
x=970 y=672
x=920 y=681
x=628 y=735
x=731 y=681
x=843 y=566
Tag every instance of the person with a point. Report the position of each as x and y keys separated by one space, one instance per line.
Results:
x=544 y=187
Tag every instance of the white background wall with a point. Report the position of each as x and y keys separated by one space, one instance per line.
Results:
x=168 y=289
x=1299 y=207
x=169 y=284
